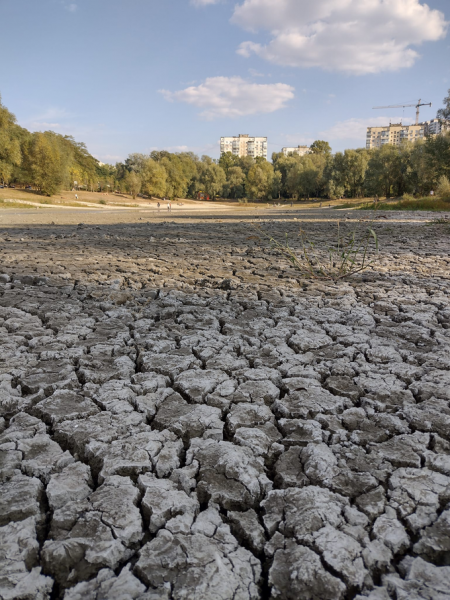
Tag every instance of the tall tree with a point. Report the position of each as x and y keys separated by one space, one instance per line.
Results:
x=235 y=180
x=10 y=153
x=320 y=147
x=49 y=157
x=134 y=183
x=382 y=171
x=227 y=161
x=154 y=178
x=212 y=179
x=444 y=113
x=260 y=180
x=355 y=166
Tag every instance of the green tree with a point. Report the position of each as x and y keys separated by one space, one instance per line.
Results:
x=10 y=152
x=355 y=166
x=382 y=171
x=320 y=147
x=260 y=180
x=437 y=152
x=212 y=179
x=443 y=188
x=133 y=182
x=235 y=181
x=154 y=178
x=227 y=161
x=444 y=113
x=305 y=177
x=276 y=184
x=49 y=158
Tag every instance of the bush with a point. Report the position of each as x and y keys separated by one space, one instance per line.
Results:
x=352 y=252
x=102 y=201
x=428 y=203
x=443 y=188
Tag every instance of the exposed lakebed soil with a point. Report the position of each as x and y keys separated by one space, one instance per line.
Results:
x=183 y=417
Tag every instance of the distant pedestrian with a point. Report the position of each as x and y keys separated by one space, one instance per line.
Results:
x=76 y=196
x=158 y=205
x=168 y=206
x=320 y=205
x=432 y=193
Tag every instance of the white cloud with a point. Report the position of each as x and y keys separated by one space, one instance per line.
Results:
x=204 y=2
x=255 y=73
x=71 y=7
x=53 y=118
x=355 y=129
x=354 y=36
x=233 y=97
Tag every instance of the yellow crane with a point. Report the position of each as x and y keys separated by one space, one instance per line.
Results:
x=418 y=105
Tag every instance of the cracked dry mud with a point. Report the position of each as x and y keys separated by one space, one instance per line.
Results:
x=182 y=417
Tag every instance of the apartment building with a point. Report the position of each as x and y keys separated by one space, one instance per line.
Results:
x=244 y=145
x=394 y=134
x=436 y=127
x=300 y=150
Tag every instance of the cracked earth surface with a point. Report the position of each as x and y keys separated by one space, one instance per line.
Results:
x=182 y=417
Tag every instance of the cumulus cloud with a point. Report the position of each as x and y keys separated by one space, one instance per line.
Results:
x=233 y=97
x=354 y=36
x=355 y=129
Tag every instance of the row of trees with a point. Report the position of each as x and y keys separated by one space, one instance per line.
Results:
x=48 y=161
x=51 y=162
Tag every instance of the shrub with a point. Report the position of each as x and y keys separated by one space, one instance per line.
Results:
x=443 y=188
x=353 y=252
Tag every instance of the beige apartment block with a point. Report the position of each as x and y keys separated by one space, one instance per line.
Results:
x=244 y=145
x=300 y=150
x=394 y=134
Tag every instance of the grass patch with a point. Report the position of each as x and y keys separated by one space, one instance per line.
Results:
x=6 y=204
x=350 y=205
x=434 y=204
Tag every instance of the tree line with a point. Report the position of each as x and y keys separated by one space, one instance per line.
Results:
x=50 y=162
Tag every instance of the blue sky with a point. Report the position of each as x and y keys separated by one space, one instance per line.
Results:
x=136 y=75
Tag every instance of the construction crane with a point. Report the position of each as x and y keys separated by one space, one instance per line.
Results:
x=418 y=105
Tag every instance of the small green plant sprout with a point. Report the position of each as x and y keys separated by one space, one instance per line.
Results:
x=353 y=252
x=440 y=221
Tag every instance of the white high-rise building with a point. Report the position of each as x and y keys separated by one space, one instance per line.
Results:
x=436 y=126
x=300 y=150
x=244 y=145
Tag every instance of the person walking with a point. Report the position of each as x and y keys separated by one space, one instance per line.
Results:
x=158 y=205
x=168 y=206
